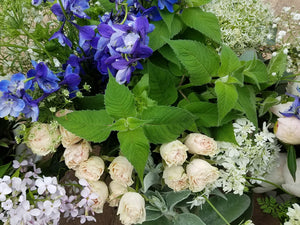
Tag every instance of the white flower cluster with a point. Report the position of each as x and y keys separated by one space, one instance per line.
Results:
x=38 y=200
x=253 y=155
x=288 y=37
x=294 y=215
x=244 y=23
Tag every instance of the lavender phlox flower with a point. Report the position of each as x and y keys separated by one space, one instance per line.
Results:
x=294 y=109
x=167 y=3
x=4 y=190
x=7 y=205
x=87 y=197
x=84 y=218
x=46 y=184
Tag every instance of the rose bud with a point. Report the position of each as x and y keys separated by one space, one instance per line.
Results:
x=200 y=174
x=120 y=170
x=77 y=153
x=43 y=138
x=132 y=209
x=201 y=144
x=175 y=178
x=91 y=169
x=67 y=138
x=174 y=153
x=100 y=188
x=287 y=130
x=116 y=189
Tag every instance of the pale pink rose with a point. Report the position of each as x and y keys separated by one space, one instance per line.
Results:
x=120 y=170
x=67 y=138
x=175 y=178
x=287 y=130
x=43 y=138
x=200 y=174
x=132 y=209
x=289 y=184
x=91 y=169
x=100 y=188
x=77 y=153
x=201 y=144
x=116 y=189
x=174 y=153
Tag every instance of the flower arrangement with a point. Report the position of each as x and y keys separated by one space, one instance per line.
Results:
x=149 y=107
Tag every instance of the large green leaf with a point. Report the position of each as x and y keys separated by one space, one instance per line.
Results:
x=92 y=125
x=205 y=22
x=224 y=133
x=135 y=147
x=188 y=219
x=90 y=102
x=167 y=18
x=292 y=161
x=166 y=123
x=195 y=3
x=257 y=72
x=173 y=198
x=161 y=220
x=119 y=101
x=200 y=61
x=229 y=61
x=169 y=54
x=206 y=112
x=161 y=85
x=161 y=33
x=247 y=100
x=231 y=209
x=227 y=97
x=277 y=66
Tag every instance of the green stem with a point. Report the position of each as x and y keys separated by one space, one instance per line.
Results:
x=185 y=86
x=62 y=8
x=38 y=44
x=269 y=182
x=126 y=13
x=217 y=211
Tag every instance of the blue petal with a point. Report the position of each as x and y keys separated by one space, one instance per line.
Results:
x=4 y=85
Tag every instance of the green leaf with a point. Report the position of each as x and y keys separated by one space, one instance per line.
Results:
x=277 y=65
x=169 y=54
x=119 y=101
x=90 y=102
x=196 y=3
x=247 y=100
x=188 y=219
x=167 y=18
x=161 y=220
x=248 y=55
x=150 y=179
x=229 y=61
x=160 y=35
x=92 y=125
x=206 y=112
x=267 y=104
x=135 y=147
x=224 y=133
x=257 y=72
x=200 y=61
x=107 y=5
x=291 y=161
x=205 y=22
x=173 y=198
x=161 y=85
x=166 y=123
x=231 y=209
x=152 y=215
x=227 y=97
x=4 y=168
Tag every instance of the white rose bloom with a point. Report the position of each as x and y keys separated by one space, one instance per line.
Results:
x=132 y=209
x=276 y=109
x=201 y=144
x=176 y=178
x=116 y=189
x=91 y=169
x=174 y=153
x=120 y=170
x=289 y=184
x=287 y=130
x=77 y=153
x=43 y=138
x=200 y=174
x=275 y=176
x=100 y=188
x=67 y=138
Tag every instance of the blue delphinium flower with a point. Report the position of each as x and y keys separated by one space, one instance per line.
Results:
x=294 y=109
x=11 y=105
x=167 y=3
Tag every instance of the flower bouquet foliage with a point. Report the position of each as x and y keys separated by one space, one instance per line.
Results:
x=149 y=108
